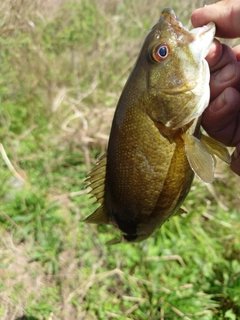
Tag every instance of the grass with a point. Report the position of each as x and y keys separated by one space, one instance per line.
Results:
x=63 y=66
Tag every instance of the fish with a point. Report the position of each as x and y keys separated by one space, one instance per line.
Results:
x=156 y=144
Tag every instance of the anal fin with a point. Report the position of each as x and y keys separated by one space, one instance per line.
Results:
x=179 y=212
x=113 y=241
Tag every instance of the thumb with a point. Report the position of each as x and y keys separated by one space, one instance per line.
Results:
x=225 y=14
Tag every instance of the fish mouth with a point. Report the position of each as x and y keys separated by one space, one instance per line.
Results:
x=201 y=31
x=205 y=33
x=202 y=39
x=171 y=18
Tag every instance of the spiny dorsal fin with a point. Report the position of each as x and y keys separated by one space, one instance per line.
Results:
x=99 y=171
x=96 y=181
x=201 y=160
x=217 y=148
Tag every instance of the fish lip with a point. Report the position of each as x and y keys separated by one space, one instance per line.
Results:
x=170 y=16
x=202 y=39
x=172 y=20
x=201 y=31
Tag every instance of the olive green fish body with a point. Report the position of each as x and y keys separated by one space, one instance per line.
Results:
x=155 y=141
x=147 y=176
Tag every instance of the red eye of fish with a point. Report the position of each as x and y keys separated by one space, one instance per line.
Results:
x=160 y=52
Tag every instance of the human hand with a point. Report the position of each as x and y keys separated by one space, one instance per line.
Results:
x=225 y=14
x=222 y=117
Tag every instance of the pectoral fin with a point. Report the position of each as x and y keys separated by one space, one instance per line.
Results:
x=217 y=148
x=201 y=160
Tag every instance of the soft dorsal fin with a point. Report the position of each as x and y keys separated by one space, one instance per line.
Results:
x=98 y=216
x=201 y=160
x=217 y=148
x=96 y=181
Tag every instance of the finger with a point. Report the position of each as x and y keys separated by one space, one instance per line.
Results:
x=215 y=53
x=220 y=56
x=228 y=76
x=225 y=69
x=235 y=163
x=221 y=119
x=224 y=13
x=236 y=51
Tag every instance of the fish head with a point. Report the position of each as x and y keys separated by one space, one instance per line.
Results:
x=177 y=74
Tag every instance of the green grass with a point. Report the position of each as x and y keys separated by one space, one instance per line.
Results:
x=63 y=66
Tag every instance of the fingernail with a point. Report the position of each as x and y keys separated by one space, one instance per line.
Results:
x=226 y=74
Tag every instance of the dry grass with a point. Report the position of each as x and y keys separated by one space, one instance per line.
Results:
x=28 y=278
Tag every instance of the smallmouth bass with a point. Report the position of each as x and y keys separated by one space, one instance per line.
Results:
x=155 y=144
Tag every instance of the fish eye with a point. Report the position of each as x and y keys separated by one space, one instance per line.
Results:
x=160 y=52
